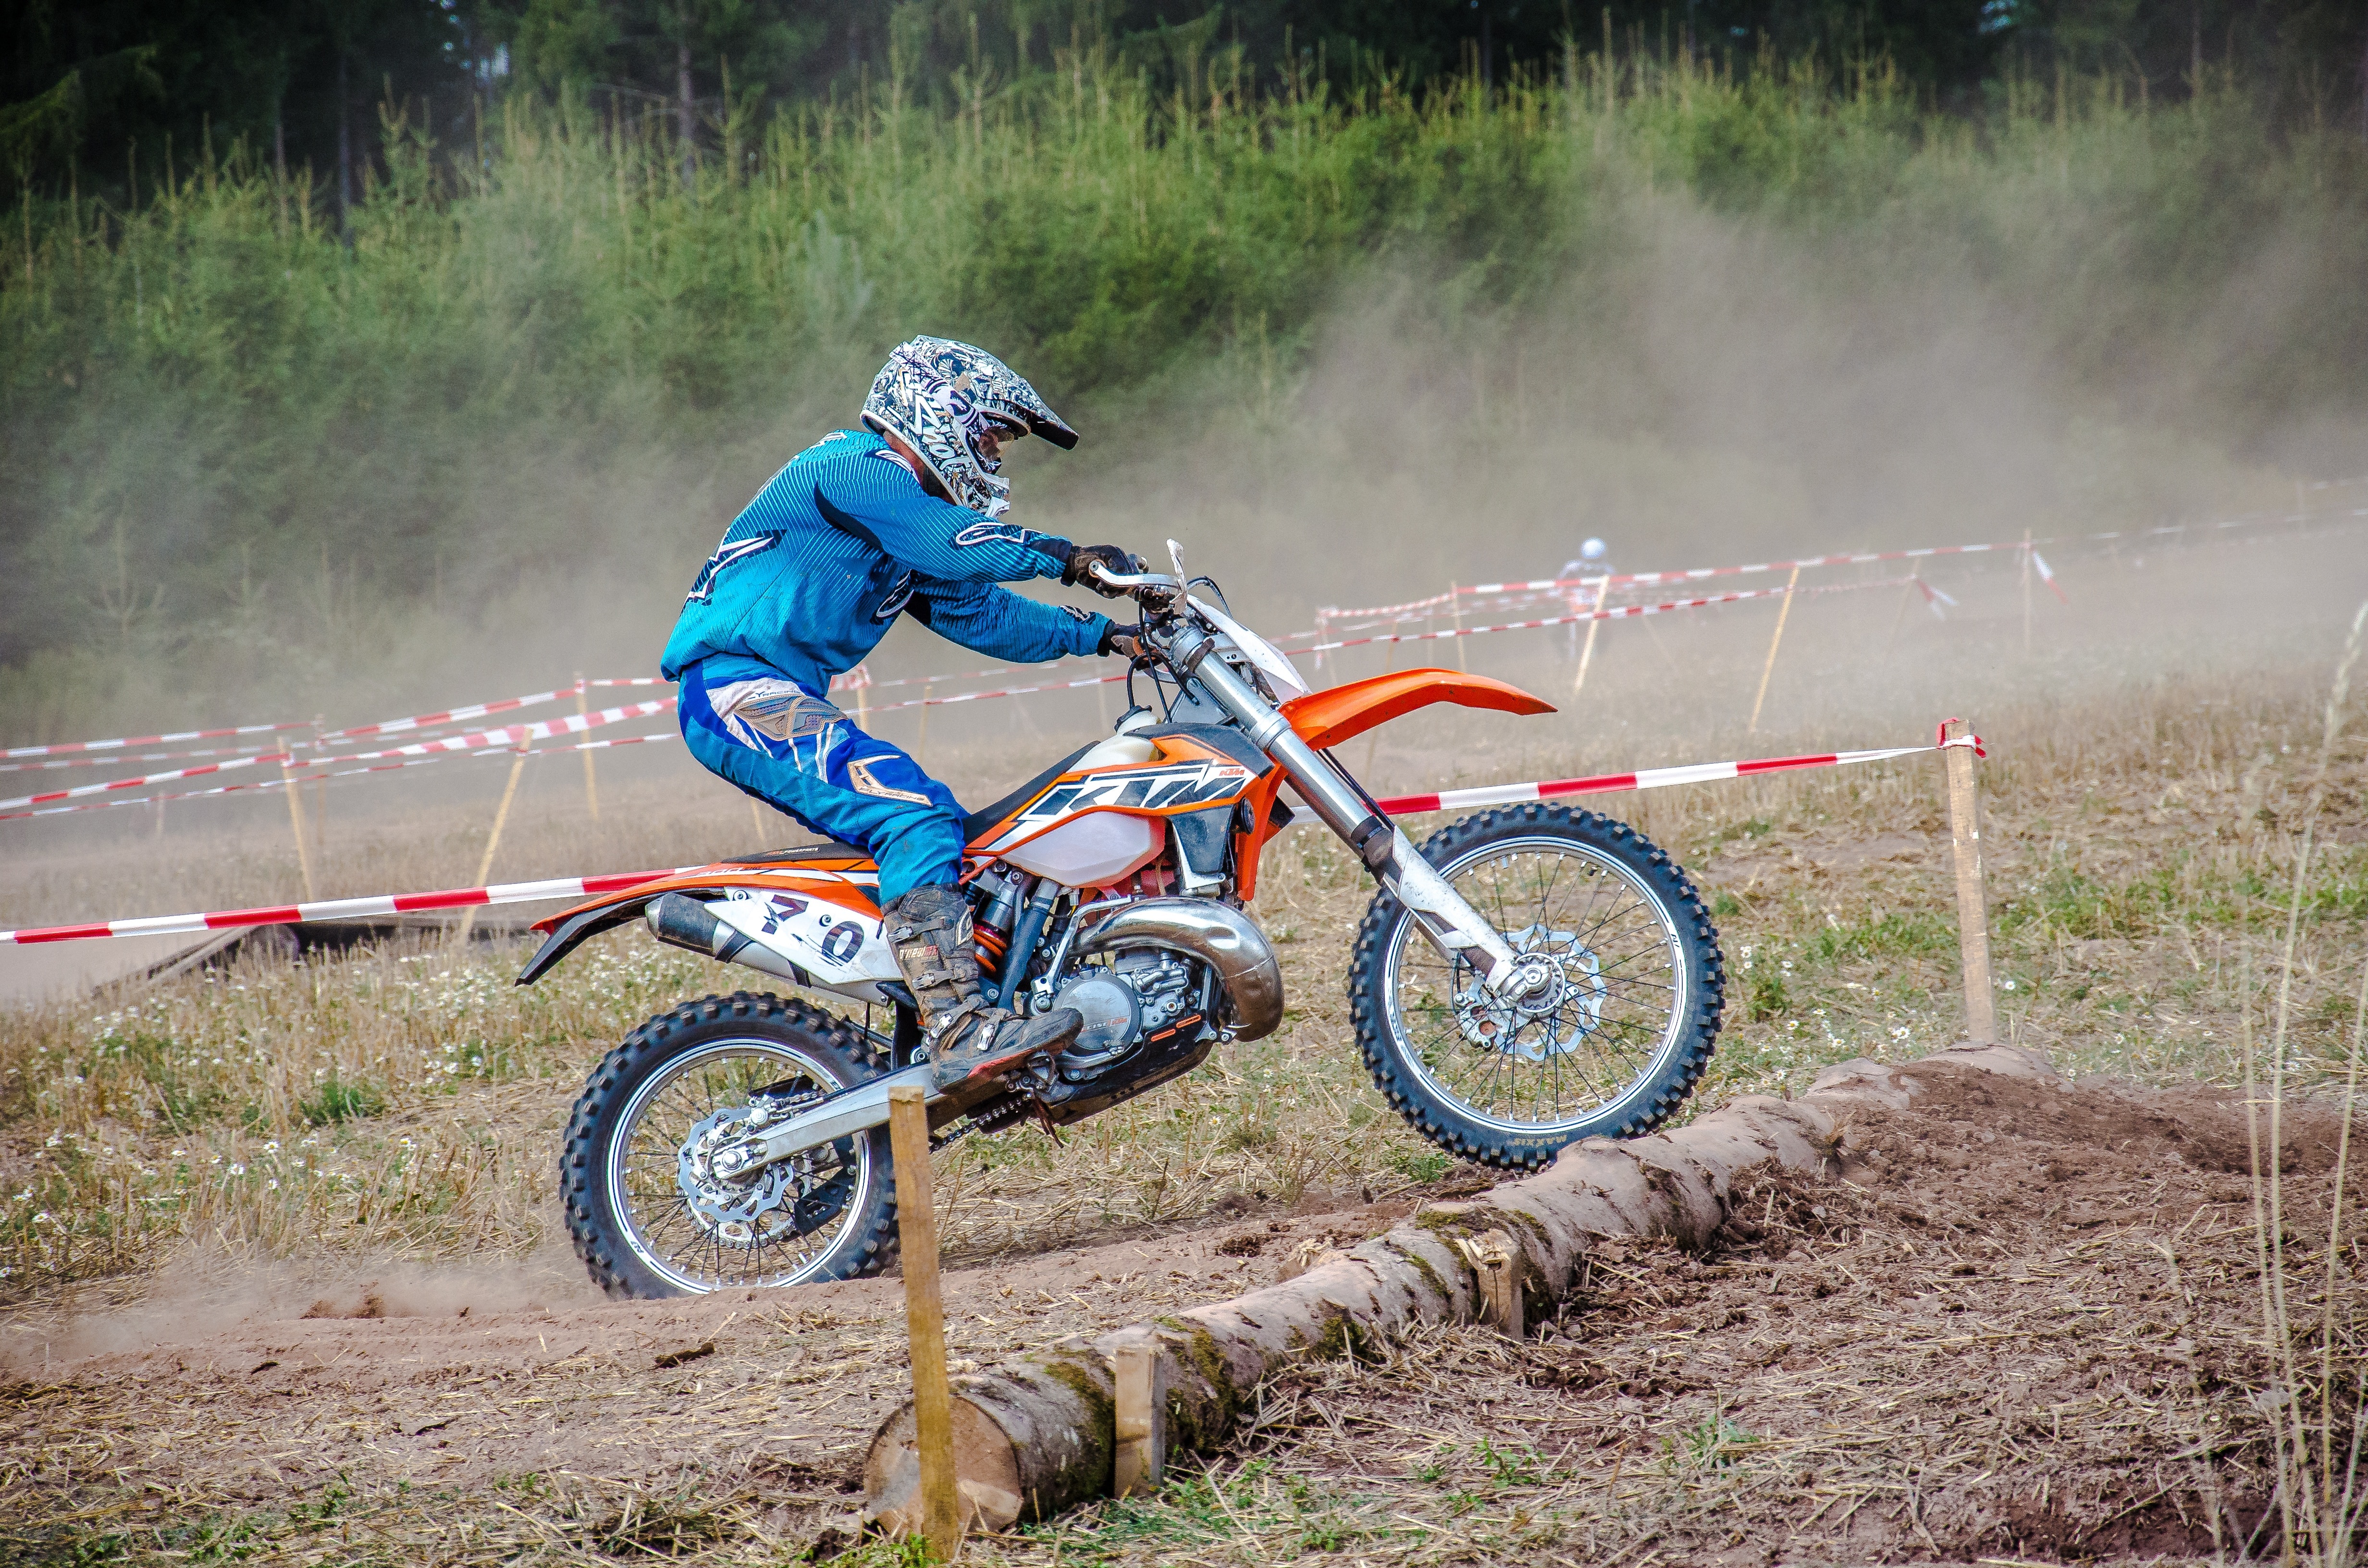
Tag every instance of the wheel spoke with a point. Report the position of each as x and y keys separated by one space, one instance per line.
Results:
x=1583 y=1049
x=646 y=1180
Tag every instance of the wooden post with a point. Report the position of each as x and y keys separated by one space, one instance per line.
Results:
x=1768 y=669
x=1389 y=664
x=1138 y=1377
x=1455 y=598
x=925 y=1319
x=1586 y=650
x=296 y=823
x=494 y=839
x=2026 y=590
x=1497 y=1264
x=591 y=786
x=320 y=823
x=1908 y=597
x=1973 y=898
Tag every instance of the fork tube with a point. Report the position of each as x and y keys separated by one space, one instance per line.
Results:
x=1452 y=925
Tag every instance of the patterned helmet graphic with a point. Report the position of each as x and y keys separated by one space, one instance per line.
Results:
x=939 y=396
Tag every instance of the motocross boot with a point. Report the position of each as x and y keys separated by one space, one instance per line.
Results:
x=969 y=1043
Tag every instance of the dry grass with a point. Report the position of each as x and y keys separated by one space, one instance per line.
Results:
x=405 y=1102
x=2178 y=871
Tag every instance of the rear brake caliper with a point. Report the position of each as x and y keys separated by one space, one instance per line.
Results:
x=788 y=1197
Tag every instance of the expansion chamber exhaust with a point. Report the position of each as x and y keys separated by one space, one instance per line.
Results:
x=1217 y=934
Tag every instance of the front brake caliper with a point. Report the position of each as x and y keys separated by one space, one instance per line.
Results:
x=1554 y=1001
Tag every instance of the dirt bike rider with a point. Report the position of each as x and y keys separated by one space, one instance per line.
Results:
x=899 y=518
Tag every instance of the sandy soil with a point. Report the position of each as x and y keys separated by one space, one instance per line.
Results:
x=2014 y=1324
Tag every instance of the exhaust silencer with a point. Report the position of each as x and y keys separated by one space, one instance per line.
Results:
x=686 y=923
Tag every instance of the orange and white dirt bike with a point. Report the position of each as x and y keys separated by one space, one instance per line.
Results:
x=1528 y=977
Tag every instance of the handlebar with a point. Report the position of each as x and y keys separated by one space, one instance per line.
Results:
x=1132 y=580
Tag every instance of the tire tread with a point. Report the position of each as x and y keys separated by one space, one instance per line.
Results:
x=1422 y=1110
x=647 y=1051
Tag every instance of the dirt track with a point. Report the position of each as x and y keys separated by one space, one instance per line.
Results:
x=2013 y=1326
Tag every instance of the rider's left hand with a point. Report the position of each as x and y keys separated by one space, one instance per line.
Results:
x=1126 y=640
x=1110 y=557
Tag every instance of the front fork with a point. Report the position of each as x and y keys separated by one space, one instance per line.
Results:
x=1454 y=927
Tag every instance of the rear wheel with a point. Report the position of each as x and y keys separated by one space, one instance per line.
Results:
x=1612 y=1041
x=649 y=1216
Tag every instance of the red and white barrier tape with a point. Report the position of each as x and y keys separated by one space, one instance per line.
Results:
x=1846 y=558
x=1623 y=613
x=1003 y=691
x=114 y=759
x=64 y=748
x=449 y=716
x=384 y=727
x=142 y=781
x=341 y=908
x=510 y=735
x=1652 y=779
x=585 y=887
x=266 y=784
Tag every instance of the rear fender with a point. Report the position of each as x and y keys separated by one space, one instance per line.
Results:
x=1337 y=713
x=825 y=899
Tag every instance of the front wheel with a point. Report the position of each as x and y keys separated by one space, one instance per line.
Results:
x=1609 y=1047
x=647 y=1211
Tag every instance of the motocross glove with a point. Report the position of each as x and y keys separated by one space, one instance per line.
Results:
x=1126 y=640
x=1110 y=557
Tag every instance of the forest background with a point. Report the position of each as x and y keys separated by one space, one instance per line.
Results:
x=351 y=347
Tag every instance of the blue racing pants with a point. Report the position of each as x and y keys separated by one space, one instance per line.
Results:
x=799 y=754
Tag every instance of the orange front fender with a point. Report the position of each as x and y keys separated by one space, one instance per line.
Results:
x=1328 y=717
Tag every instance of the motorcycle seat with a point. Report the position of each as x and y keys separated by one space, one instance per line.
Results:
x=981 y=822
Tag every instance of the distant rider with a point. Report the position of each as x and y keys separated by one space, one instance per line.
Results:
x=1578 y=589
x=900 y=517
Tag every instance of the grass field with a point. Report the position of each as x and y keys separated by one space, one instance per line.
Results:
x=406 y=1103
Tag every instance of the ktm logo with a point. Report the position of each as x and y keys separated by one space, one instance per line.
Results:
x=1198 y=783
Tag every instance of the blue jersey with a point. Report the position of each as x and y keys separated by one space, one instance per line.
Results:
x=813 y=573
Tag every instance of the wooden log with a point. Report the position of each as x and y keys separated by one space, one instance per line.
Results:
x=1041 y=1430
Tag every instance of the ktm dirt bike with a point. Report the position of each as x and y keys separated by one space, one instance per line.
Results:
x=1527 y=978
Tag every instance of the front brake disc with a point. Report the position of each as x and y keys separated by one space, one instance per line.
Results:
x=1555 y=1018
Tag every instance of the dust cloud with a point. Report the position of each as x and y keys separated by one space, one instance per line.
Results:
x=209 y=1289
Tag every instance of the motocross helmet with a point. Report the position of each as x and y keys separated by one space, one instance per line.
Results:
x=940 y=397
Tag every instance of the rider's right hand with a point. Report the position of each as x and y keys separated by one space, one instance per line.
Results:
x=1110 y=558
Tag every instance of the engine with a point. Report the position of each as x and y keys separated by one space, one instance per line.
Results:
x=1135 y=994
